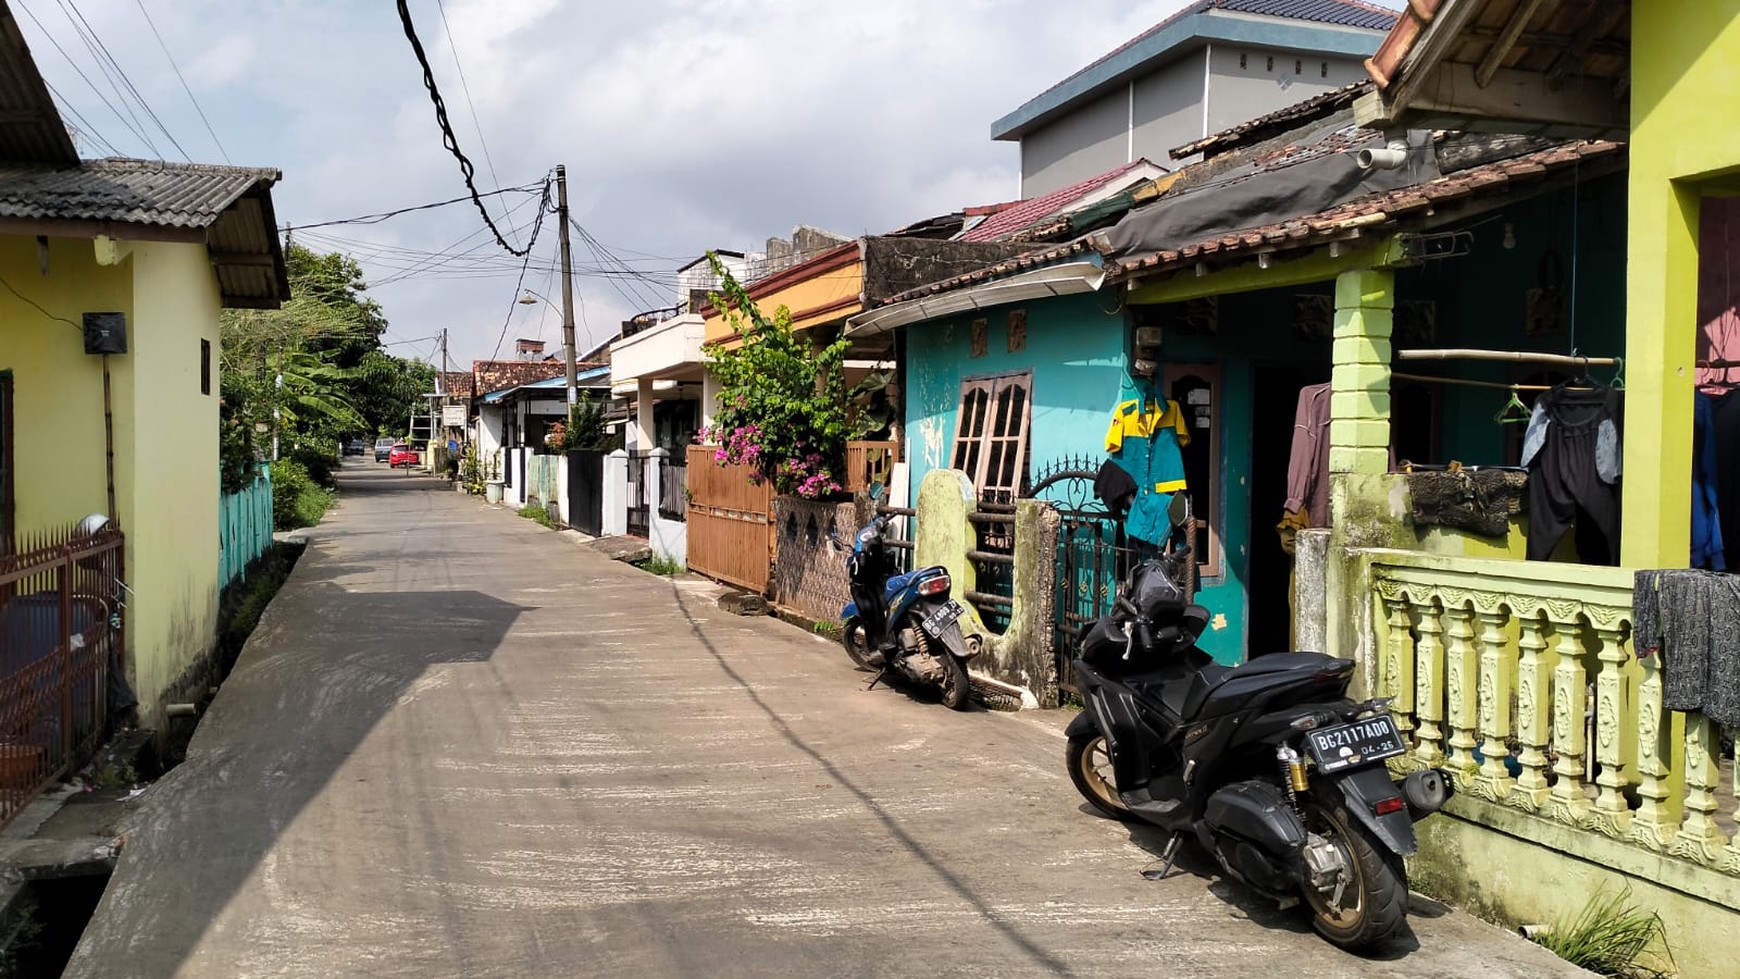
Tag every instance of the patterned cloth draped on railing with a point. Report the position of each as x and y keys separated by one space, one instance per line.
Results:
x=244 y=527
x=1520 y=678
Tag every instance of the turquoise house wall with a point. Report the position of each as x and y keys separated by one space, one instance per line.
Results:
x=1076 y=351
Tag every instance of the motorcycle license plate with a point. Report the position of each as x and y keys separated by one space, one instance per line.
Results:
x=943 y=617
x=1346 y=745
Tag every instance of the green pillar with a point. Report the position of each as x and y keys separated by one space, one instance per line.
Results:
x=1359 y=433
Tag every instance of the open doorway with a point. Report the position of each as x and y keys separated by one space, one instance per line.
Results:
x=1274 y=403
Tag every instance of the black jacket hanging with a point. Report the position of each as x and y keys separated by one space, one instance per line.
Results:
x=1572 y=451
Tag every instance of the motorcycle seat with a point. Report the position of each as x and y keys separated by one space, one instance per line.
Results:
x=1187 y=695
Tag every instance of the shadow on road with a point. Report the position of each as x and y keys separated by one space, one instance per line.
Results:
x=906 y=840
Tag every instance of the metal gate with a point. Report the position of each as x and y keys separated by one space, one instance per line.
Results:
x=1092 y=554
x=639 y=516
x=586 y=491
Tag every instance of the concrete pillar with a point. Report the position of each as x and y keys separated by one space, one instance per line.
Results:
x=615 y=519
x=709 y=399
x=643 y=413
x=654 y=461
x=1359 y=434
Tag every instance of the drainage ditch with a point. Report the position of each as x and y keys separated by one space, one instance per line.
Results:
x=43 y=923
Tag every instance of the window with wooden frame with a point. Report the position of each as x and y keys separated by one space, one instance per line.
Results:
x=1196 y=388
x=991 y=434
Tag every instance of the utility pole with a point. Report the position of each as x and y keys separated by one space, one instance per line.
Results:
x=567 y=283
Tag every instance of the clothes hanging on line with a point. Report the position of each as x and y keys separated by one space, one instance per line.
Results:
x=1146 y=436
x=1572 y=451
x=1308 y=460
x=1707 y=549
x=1725 y=412
x=1692 y=618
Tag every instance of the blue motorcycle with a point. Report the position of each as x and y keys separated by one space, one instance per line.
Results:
x=904 y=625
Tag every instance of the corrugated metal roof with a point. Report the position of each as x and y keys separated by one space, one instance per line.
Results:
x=31 y=130
x=147 y=192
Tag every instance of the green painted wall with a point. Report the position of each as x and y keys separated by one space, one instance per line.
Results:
x=1480 y=299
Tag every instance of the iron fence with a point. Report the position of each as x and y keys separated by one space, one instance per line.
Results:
x=60 y=630
x=674 y=488
x=639 y=517
x=1092 y=554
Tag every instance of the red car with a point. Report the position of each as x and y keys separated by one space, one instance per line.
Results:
x=403 y=455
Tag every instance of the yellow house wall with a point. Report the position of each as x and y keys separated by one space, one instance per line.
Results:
x=826 y=297
x=1685 y=95
x=173 y=539
x=166 y=477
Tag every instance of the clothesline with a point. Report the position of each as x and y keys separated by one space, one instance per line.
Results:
x=1435 y=379
x=1509 y=356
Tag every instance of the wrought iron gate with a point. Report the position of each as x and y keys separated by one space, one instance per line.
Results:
x=1092 y=554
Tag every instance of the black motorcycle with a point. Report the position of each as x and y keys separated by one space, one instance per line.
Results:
x=1267 y=765
x=904 y=625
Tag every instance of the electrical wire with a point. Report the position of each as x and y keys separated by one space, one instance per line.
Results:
x=84 y=77
x=465 y=88
x=184 y=86
x=38 y=307
x=84 y=127
x=102 y=53
x=448 y=139
x=384 y=215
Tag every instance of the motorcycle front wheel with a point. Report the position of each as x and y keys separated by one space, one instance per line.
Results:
x=856 y=641
x=1090 y=768
x=1374 y=899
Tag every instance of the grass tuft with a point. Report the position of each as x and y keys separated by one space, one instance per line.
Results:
x=1609 y=936
x=538 y=513
x=661 y=566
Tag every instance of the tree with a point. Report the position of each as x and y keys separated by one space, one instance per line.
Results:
x=783 y=402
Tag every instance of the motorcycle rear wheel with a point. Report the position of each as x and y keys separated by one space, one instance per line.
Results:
x=956 y=689
x=1090 y=768
x=1377 y=885
x=857 y=643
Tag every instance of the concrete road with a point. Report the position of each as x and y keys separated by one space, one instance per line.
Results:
x=461 y=745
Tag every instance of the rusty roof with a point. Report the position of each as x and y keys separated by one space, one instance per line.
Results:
x=1007 y=220
x=499 y=375
x=1381 y=212
x=1274 y=123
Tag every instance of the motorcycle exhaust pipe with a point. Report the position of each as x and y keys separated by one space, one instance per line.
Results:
x=1427 y=791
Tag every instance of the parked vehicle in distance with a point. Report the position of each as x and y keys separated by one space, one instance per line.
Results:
x=383 y=449
x=355 y=447
x=403 y=455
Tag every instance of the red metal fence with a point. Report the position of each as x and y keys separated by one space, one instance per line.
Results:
x=60 y=623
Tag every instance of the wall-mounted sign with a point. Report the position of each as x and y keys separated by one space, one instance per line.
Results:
x=453 y=416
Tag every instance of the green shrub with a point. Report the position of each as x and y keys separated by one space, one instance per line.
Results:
x=297 y=500
x=662 y=566
x=319 y=461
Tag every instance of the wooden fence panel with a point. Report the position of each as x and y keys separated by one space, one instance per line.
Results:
x=730 y=532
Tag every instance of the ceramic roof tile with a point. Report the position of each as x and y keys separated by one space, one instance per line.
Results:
x=1022 y=215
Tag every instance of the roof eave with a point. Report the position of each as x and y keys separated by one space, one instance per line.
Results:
x=1207 y=27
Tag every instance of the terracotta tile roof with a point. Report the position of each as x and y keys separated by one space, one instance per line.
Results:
x=1273 y=124
x=498 y=375
x=1378 y=211
x=1020 y=263
x=1010 y=218
x=456 y=383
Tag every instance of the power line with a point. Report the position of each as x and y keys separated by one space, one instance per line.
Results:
x=71 y=8
x=384 y=215
x=537 y=226
x=84 y=126
x=184 y=86
x=465 y=87
x=86 y=78
x=448 y=139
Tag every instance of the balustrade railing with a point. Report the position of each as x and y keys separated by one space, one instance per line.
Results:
x=1521 y=679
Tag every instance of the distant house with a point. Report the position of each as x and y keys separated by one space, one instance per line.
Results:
x=114 y=273
x=1212 y=65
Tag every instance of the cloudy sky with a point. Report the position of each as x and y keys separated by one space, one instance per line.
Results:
x=684 y=125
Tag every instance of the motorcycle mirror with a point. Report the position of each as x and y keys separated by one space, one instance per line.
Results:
x=876 y=489
x=1178 y=510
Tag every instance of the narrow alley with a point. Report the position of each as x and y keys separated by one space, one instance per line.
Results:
x=461 y=745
